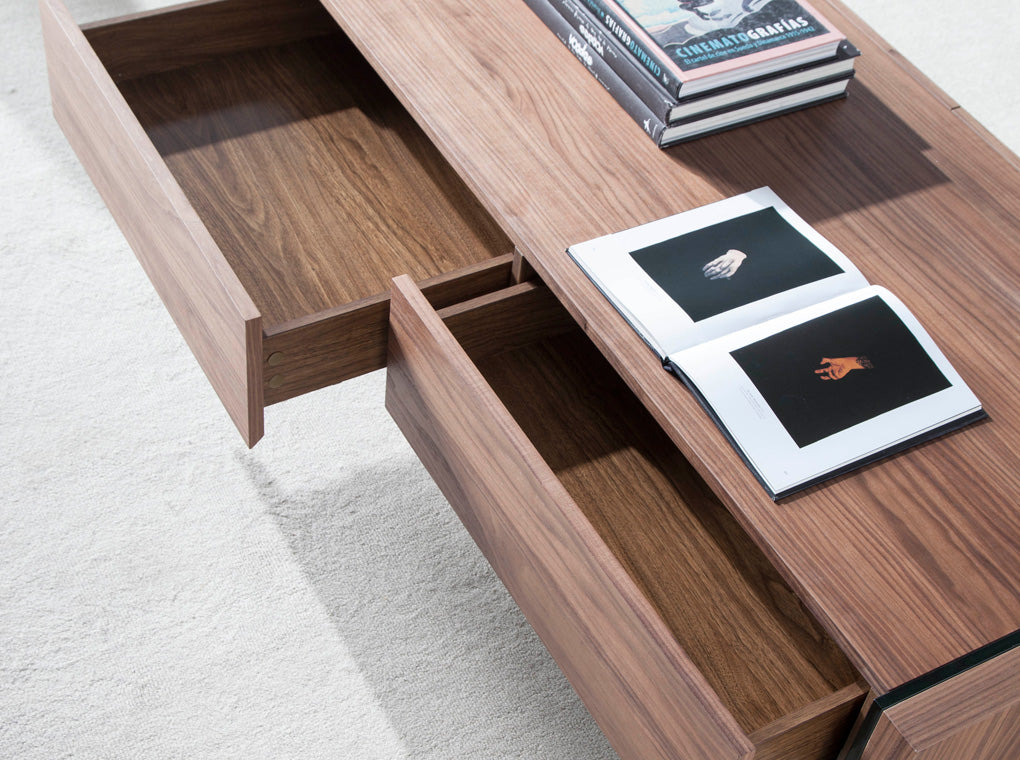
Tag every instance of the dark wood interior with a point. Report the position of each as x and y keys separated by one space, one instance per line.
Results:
x=740 y=623
x=311 y=177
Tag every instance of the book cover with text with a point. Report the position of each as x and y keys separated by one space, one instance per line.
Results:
x=699 y=44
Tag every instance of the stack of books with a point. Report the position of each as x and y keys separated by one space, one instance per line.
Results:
x=687 y=68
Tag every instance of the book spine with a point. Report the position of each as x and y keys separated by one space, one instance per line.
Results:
x=671 y=138
x=635 y=40
x=597 y=67
x=609 y=48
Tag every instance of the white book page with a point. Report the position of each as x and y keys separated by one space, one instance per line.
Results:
x=695 y=276
x=797 y=411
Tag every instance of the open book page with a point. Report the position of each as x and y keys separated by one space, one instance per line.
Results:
x=837 y=383
x=695 y=276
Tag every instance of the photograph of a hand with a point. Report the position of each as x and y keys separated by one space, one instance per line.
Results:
x=837 y=369
x=735 y=262
x=872 y=363
x=725 y=266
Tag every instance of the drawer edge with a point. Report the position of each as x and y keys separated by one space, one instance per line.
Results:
x=646 y=695
x=332 y=346
x=817 y=732
x=210 y=307
x=145 y=42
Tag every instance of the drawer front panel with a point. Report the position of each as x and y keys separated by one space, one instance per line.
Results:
x=210 y=307
x=640 y=686
x=974 y=715
x=305 y=355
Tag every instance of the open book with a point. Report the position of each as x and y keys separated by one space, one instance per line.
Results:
x=808 y=369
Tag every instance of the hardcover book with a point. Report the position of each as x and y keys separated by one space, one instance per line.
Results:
x=692 y=46
x=625 y=97
x=671 y=109
x=647 y=108
x=808 y=369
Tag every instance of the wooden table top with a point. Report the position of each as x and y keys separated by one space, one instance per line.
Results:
x=909 y=563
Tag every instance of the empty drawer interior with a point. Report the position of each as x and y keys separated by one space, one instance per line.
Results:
x=312 y=179
x=763 y=653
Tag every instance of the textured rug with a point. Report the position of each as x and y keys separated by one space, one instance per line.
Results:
x=167 y=593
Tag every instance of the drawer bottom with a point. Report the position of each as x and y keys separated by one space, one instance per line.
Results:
x=655 y=603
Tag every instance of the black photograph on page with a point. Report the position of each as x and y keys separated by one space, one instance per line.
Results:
x=733 y=263
x=839 y=370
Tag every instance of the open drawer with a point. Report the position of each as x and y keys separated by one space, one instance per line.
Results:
x=675 y=630
x=270 y=186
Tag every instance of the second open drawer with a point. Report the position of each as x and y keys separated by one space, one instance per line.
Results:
x=677 y=633
x=270 y=185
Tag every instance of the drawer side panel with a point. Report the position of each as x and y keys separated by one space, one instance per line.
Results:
x=210 y=307
x=644 y=692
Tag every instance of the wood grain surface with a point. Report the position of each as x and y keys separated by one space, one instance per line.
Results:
x=220 y=323
x=292 y=157
x=337 y=344
x=975 y=715
x=909 y=563
x=183 y=35
x=505 y=320
x=297 y=173
x=315 y=183
x=724 y=602
x=648 y=697
x=819 y=729
x=685 y=569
